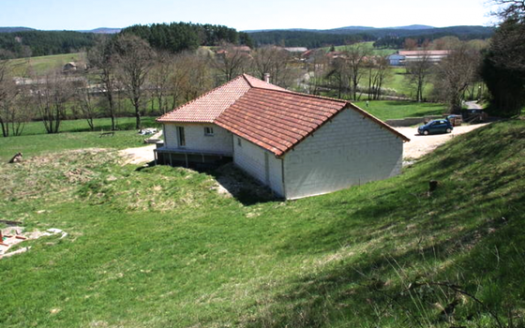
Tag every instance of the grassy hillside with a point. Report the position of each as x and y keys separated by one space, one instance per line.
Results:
x=369 y=45
x=43 y=64
x=158 y=247
x=390 y=110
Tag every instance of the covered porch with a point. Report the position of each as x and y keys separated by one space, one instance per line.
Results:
x=199 y=159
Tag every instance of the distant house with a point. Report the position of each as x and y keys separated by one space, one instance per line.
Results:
x=241 y=49
x=402 y=58
x=296 y=49
x=298 y=145
x=70 y=67
x=396 y=59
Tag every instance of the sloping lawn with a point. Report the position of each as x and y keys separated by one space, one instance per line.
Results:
x=390 y=110
x=159 y=247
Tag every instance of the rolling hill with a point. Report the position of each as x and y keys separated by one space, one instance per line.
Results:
x=100 y=30
x=351 y=34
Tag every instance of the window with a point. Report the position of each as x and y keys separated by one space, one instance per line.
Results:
x=181 y=137
x=208 y=131
x=239 y=142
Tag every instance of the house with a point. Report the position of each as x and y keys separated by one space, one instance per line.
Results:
x=70 y=67
x=396 y=59
x=433 y=56
x=296 y=49
x=402 y=58
x=299 y=145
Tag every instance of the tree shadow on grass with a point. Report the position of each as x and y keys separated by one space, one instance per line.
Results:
x=233 y=182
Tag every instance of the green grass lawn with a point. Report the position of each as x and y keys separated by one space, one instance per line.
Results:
x=158 y=247
x=37 y=144
x=81 y=125
x=389 y=110
x=42 y=64
x=399 y=82
x=370 y=45
x=75 y=135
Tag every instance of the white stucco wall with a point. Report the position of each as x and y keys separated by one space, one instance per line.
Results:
x=348 y=151
x=251 y=158
x=221 y=141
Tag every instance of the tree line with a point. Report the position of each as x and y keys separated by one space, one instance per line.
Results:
x=174 y=37
x=306 y=39
x=384 y=38
x=43 y=43
x=127 y=71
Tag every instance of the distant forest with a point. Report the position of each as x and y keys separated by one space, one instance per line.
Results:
x=391 y=38
x=174 y=37
x=42 y=43
x=177 y=37
x=306 y=39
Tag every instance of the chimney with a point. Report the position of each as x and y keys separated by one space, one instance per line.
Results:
x=267 y=77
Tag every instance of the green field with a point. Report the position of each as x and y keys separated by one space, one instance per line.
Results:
x=74 y=135
x=369 y=45
x=81 y=125
x=43 y=64
x=159 y=247
x=389 y=110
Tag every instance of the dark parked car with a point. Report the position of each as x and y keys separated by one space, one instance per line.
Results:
x=436 y=126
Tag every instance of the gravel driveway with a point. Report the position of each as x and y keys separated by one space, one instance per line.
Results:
x=420 y=145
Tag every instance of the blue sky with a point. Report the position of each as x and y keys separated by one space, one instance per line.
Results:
x=242 y=15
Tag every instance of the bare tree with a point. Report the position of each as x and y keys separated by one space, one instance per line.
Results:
x=455 y=73
x=231 y=61
x=445 y=43
x=511 y=9
x=87 y=104
x=418 y=72
x=339 y=73
x=51 y=95
x=159 y=79
x=356 y=58
x=317 y=68
x=135 y=60
x=379 y=72
x=9 y=115
x=410 y=44
x=196 y=76
x=277 y=62
x=102 y=58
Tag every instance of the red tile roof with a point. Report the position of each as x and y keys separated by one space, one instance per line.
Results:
x=206 y=108
x=267 y=115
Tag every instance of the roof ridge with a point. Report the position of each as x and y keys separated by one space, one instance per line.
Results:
x=203 y=95
x=307 y=95
x=244 y=75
